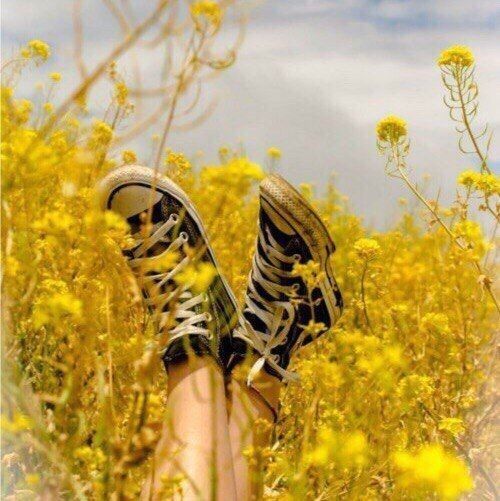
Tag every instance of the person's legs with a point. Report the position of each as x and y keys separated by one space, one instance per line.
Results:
x=195 y=441
x=291 y=299
x=191 y=317
x=252 y=414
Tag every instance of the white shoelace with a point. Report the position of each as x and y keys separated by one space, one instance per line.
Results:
x=187 y=318
x=278 y=315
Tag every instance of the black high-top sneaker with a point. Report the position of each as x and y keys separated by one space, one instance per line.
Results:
x=278 y=304
x=186 y=322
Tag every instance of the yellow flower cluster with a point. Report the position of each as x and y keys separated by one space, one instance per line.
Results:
x=121 y=93
x=347 y=450
x=455 y=426
x=458 y=56
x=367 y=248
x=17 y=424
x=177 y=164
x=431 y=470
x=239 y=172
x=206 y=11
x=196 y=277
x=489 y=184
x=391 y=129
x=55 y=309
x=310 y=272
x=274 y=153
x=36 y=49
x=129 y=157
x=374 y=398
x=102 y=134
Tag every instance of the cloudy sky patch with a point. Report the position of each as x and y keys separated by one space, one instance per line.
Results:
x=313 y=77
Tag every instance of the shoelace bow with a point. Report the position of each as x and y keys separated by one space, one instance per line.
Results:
x=278 y=315
x=185 y=315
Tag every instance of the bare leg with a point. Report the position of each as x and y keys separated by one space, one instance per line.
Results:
x=250 y=426
x=195 y=441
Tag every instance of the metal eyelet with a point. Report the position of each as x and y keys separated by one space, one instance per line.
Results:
x=174 y=217
x=208 y=317
x=204 y=297
x=297 y=258
x=296 y=287
x=184 y=236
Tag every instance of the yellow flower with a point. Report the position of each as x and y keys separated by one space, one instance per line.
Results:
x=83 y=453
x=391 y=129
x=23 y=109
x=102 y=133
x=163 y=262
x=52 y=309
x=310 y=272
x=456 y=55
x=48 y=107
x=236 y=174
x=36 y=49
x=468 y=178
x=415 y=388
x=455 y=426
x=121 y=93
x=11 y=266
x=432 y=470
x=177 y=161
x=224 y=151
x=314 y=329
x=129 y=157
x=19 y=422
x=115 y=222
x=274 y=153
x=489 y=184
x=470 y=230
x=436 y=323
x=347 y=450
x=367 y=248
x=54 y=223
x=196 y=277
x=95 y=458
x=32 y=479
x=208 y=11
x=55 y=77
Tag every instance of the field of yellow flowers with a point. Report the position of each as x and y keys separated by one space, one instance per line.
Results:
x=396 y=402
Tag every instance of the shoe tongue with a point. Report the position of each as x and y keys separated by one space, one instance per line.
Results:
x=136 y=221
x=298 y=246
x=169 y=206
x=294 y=246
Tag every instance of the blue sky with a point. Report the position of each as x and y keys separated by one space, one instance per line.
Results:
x=312 y=77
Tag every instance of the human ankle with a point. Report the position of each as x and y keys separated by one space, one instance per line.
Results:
x=179 y=370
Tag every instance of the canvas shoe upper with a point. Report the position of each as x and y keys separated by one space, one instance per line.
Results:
x=278 y=303
x=186 y=322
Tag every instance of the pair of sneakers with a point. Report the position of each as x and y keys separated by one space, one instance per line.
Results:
x=278 y=304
